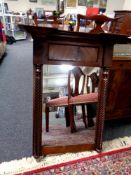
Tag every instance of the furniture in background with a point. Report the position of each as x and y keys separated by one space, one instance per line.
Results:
x=48 y=17
x=55 y=19
x=118 y=104
x=10 y=22
x=123 y=24
x=2 y=41
x=119 y=96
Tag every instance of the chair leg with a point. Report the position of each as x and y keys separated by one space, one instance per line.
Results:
x=47 y=118
x=72 y=122
x=83 y=115
x=67 y=118
x=90 y=122
x=90 y=115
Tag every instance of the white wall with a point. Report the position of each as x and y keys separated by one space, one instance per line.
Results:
x=127 y=5
x=114 y=5
x=118 y=5
x=78 y=9
x=24 y=5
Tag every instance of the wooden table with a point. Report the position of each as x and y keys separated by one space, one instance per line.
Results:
x=53 y=45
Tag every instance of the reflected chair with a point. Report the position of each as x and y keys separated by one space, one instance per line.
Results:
x=76 y=83
x=75 y=97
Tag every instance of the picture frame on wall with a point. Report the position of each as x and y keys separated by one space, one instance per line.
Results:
x=82 y=2
x=71 y=3
x=102 y=3
x=49 y=2
x=32 y=0
x=95 y=2
x=90 y=3
x=39 y=12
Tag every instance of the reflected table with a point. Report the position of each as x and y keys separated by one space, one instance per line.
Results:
x=54 y=45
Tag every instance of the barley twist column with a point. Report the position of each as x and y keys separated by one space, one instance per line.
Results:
x=37 y=110
x=101 y=108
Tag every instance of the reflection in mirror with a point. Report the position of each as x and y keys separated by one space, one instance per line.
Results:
x=55 y=85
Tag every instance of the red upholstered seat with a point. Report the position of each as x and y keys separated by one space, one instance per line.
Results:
x=84 y=98
x=62 y=101
x=79 y=99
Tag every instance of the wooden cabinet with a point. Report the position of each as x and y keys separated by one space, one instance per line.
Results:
x=119 y=96
x=118 y=104
x=123 y=24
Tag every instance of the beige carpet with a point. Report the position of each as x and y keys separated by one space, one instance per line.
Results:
x=26 y=164
x=59 y=134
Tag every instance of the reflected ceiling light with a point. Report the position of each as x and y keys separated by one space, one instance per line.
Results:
x=65 y=67
x=61 y=82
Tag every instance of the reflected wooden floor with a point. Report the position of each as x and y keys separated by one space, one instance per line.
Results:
x=59 y=134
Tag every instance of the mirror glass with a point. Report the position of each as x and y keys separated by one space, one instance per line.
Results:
x=55 y=85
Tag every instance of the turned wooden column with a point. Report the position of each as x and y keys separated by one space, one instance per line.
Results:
x=37 y=97
x=101 y=108
x=37 y=110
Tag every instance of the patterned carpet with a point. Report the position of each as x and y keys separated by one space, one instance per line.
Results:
x=115 y=162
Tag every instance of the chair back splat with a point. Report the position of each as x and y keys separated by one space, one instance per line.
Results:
x=94 y=80
x=79 y=77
